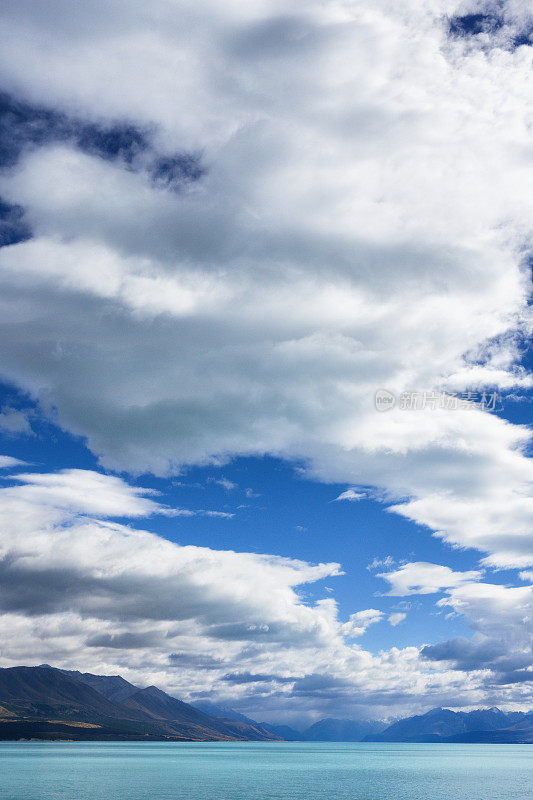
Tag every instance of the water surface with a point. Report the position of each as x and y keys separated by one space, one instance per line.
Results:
x=264 y=771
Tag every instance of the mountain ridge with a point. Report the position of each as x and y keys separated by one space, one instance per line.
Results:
x=445 y=725
x=45 y=702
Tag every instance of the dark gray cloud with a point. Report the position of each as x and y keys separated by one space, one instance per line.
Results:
x=195 y=661
x=126 y=640
x=322 y=685
x=465 y=653
x=516 y=676
x=507 y=661
x=250 y=677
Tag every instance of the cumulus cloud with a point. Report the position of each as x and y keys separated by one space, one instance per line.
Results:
x=501 y=617
x=120 y=589
x=300 y=269
x=420 y=577
x=500 y=650
x=360 y=621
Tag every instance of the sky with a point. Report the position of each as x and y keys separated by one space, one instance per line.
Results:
x=265 y=363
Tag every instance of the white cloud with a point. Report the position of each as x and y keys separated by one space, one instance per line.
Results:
x=115 y=580
x=420 y=577
x=501 y=649
x=93 y=493
x=359 y=622
x=226 y=484
x=376 y=562
x=221 y=514
x=8 y=462
x=396 y=617
x=85 y=492
x=351 y=495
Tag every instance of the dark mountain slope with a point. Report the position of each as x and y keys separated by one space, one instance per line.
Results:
x=40 y=690
x=44 y=702
x=156 y=704
x=111 y=686
x=159 y=705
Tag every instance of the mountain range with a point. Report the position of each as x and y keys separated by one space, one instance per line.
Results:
x=48 y=703
x=443 y=725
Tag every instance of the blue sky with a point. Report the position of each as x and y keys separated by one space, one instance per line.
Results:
x=221 y=233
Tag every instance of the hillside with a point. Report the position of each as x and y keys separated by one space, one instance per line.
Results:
x=43 y=702
x=40 y=691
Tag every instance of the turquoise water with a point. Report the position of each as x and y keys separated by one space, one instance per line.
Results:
x=262 y=771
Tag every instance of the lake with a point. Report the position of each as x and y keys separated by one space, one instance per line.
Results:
x=264 y=771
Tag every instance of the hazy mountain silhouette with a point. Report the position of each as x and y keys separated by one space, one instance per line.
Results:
x=285 y=732
x=443 y=725
x=341 y=730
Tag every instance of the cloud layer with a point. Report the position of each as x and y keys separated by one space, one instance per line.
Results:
x=258 y=308
x=226 y=228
